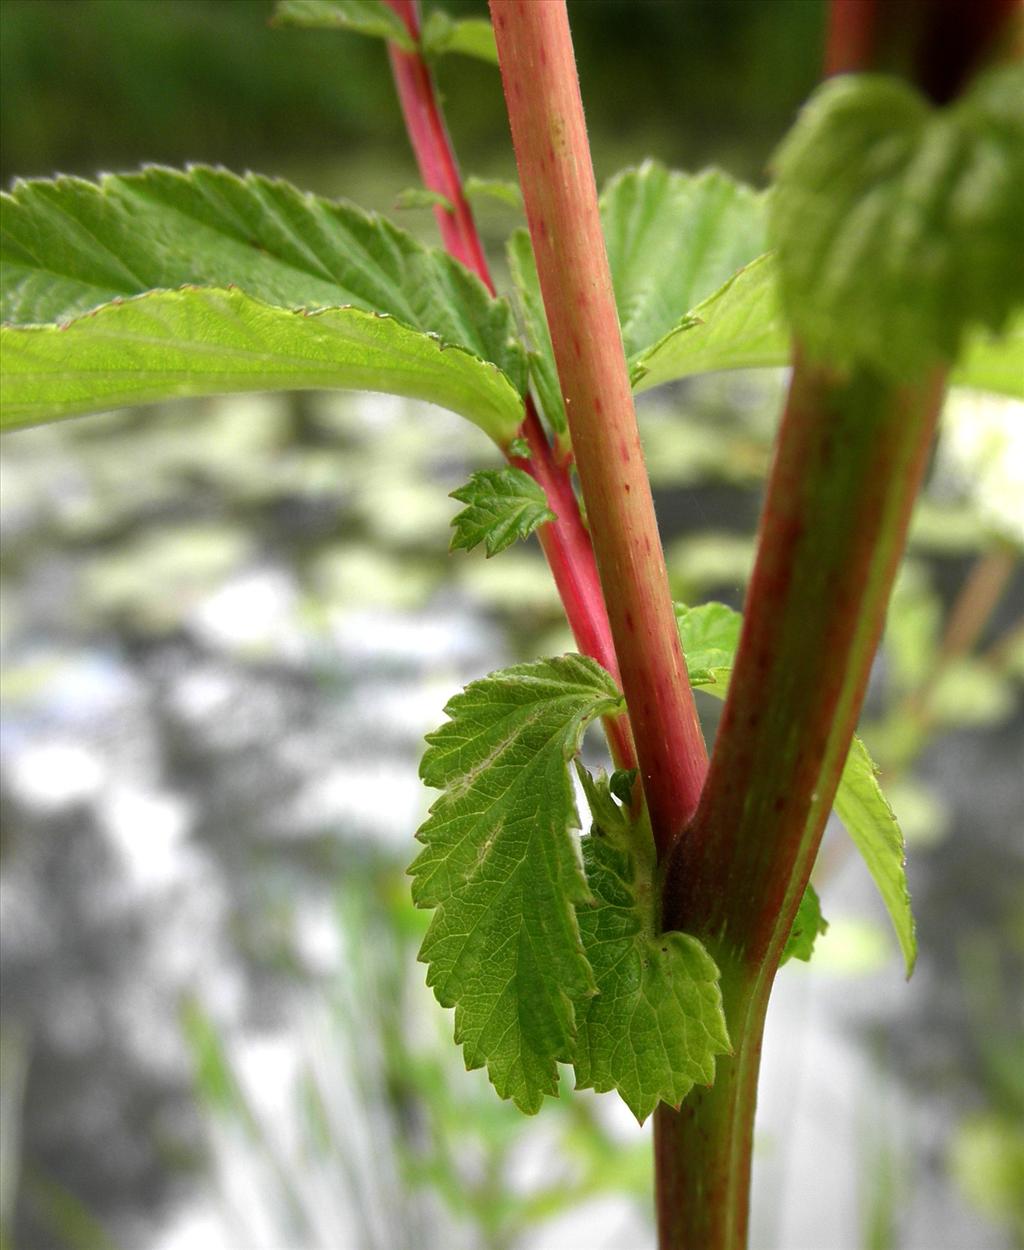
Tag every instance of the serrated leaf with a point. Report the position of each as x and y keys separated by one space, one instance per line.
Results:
x=859 y=802
x=205 y=341
x=673 y=239
x=68 y=246
x=897 y=224
x=470 y=36
x=540 y=354
x=501 y=868
x=503 y=505
x=808 y=925
x=364 y=17
x=872 y=824
x=656 y=1024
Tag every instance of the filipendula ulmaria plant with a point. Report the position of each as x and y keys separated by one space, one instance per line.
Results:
x=887 y=257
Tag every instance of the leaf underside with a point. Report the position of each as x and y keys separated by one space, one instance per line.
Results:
x=501 y=868
x=503 y=505
x=859 y=802
x=206 y=341
x=656 y=1024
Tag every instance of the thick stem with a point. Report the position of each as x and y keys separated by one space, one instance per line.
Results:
x=849 y=459
x=565 y=542
x=549 y=135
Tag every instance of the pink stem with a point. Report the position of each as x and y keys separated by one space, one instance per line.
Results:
x=549 y=135
x=566 y=541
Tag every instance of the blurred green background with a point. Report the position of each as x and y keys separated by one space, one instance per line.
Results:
x=227 y=625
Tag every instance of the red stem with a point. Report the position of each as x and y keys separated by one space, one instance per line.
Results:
x=538 y=70
x=566 y=541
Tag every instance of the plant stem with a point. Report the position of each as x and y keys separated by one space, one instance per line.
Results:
x=566 y=541
x=849 y=459
x=557 y=178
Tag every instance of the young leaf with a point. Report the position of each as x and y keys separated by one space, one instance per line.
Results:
x=871 y=823
x=656 y=1024
x=503 y=505
x=365 y=17
x=898 y=225
x=206 y=341
x=709 y=631
x=673 y=239
x=501 y=867
x=541 y=355
x=471 y=36
x=808 y=924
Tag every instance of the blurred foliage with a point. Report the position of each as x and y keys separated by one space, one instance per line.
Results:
x=207 y=80
x=375 y=1072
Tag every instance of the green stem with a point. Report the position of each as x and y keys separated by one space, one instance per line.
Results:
x=849 y=459
x=557 y=178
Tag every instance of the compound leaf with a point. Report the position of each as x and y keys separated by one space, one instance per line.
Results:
x=503 y=505
x=657 y=1023
x=501 y=868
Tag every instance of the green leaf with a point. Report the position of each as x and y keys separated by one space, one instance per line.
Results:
x=859 y=803
x=501 y=867
x=710 y=635
x=897 y=224
x=365 y=17
x=205 y=341
x=742 y=326
x=672 y=240
x=494 y=188
x=421 y=197
x=504 y=504
x=654 y=1027
x=808 y=925
x=871 y=823
x=69 y=246
x=541 y=355
x=471 y=36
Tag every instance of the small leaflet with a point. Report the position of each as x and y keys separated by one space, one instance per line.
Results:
x=503 y=505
